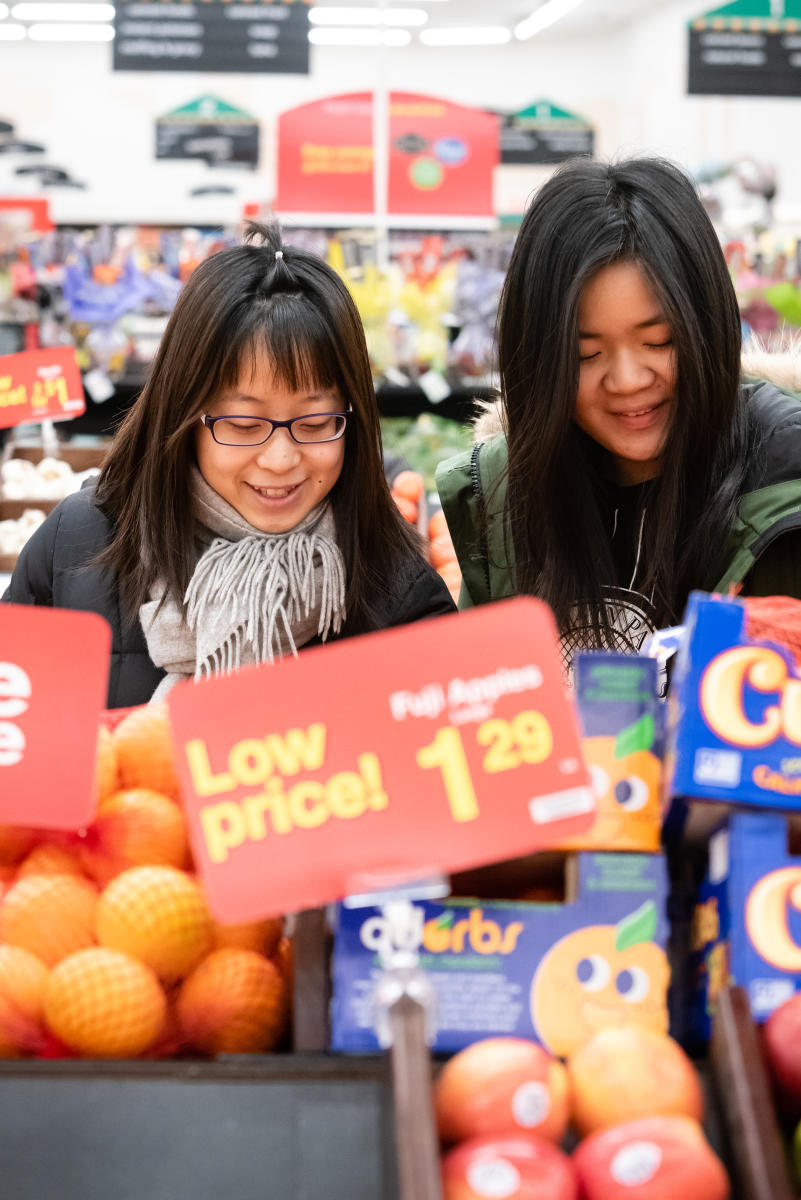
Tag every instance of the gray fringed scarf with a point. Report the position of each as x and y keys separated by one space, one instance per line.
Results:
x=253 y=596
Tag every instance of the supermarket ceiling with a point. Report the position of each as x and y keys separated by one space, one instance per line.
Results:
x=484 y=22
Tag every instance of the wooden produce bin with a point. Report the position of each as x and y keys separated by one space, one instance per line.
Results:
x=80 y=458
x=742 y=1093
x=299 y=1125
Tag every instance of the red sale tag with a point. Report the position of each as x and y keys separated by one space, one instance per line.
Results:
x=40 y=384
x=369 y=762
x=53 y=679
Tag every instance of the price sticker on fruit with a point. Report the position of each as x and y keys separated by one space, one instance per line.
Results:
x=40 y=384
x=370 y=762
x=53 y=677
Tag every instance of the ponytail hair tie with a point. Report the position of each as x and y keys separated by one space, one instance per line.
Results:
x=279 y=254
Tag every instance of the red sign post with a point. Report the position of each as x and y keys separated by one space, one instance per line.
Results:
x=368 y=763
x=39 y=385
x=53 y=678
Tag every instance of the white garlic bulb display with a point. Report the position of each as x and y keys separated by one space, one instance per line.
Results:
x=15 y=533
x=49 y=479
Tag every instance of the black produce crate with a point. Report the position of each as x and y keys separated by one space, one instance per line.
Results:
x=273 y=1127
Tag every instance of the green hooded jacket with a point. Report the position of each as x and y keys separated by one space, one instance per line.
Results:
x=472 y=488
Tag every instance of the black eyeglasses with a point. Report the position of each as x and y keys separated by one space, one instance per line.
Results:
x=250 y=431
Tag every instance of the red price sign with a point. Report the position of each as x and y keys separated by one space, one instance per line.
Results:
x=366 y=763
x=40 y=384
x=53 y=679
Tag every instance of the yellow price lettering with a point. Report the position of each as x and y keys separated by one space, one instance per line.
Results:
x=527 y=738
x=447 y=753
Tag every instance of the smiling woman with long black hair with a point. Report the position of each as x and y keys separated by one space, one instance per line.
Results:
x=243 y=512
x=632 y=462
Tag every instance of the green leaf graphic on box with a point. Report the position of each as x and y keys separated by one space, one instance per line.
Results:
x=445 y=921
x=639 y=736
x=637 y=927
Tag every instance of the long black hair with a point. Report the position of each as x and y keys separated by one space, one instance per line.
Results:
x=291 y=304
x=586 y=217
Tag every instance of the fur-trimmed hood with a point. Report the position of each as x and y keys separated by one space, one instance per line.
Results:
x=782 y=369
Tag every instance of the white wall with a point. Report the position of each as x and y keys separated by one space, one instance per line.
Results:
x=630 y=81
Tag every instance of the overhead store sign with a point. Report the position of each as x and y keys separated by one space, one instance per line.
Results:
x=441 y=157
x=211 y=130
x=543 y=133
x=53 y=676
x=457 y=746
x=40 y=384
x=748 y=48
x=257 y=36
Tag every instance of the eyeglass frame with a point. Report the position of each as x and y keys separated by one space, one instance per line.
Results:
x=209 y=422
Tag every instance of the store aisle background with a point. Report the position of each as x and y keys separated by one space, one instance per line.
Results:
x=620 y=63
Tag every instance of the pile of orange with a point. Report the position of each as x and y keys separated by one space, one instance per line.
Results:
x=408 y=493
x=107 y=946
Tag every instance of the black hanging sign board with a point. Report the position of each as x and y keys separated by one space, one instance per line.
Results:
x=211 y=130
x=748 y=48
x=255 y=36
x=543 y=133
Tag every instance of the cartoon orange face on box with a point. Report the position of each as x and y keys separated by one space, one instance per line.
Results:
x=626 y=795
x=601 y=976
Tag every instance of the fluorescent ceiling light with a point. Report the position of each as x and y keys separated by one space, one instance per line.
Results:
x=360 y=37
x=70 y=33
x=30 y=10
x=12 y=33
x=546 y=15
x=368 y=16
x=490 y=35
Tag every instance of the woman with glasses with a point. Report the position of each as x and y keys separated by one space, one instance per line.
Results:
x=243 y=512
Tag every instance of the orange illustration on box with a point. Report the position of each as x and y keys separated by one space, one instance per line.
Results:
x=601 y=976
x=627 y=798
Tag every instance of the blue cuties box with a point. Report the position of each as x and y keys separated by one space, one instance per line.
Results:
x=747 y=925
x=553 y=972
x=734 y=713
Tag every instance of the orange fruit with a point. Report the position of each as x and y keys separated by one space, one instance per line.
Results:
x=234 y=1002
x=134 y=828
x=261 y=936
x=22 y=983
x=15 y=842
x=104 y=1004
x=49 y=858
x=624 y=1073
x=106 y=764
x=143 y=742
x=158 y=915
x=49 y=915
x=441 y=551
x=408 y=509
x=437 y=525
x=452 y=575
x=409 y=485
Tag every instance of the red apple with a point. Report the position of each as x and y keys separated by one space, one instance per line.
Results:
x=502 y=1085
x=515 y=1167
x=782 y=1040
x=656 y=1158
x=628 y=1072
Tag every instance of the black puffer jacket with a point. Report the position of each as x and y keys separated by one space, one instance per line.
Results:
x=55 y=568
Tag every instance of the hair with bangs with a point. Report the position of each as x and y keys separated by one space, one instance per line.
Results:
x=238 y=304
x=586 y=217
